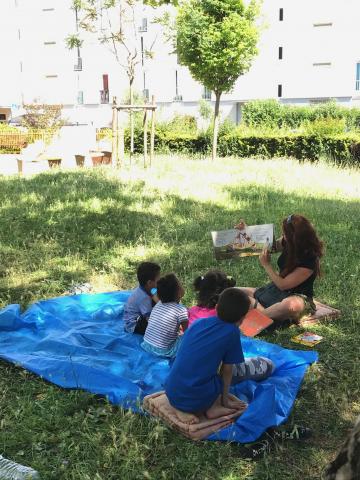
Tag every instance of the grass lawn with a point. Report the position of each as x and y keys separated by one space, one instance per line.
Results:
x=96 y=225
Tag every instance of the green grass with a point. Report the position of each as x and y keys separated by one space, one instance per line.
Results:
x=96 y=226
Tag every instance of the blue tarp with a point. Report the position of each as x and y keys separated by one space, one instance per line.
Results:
x=79 y=342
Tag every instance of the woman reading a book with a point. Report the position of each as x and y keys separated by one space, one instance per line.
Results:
x=289 y=296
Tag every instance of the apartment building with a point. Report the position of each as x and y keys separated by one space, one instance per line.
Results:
x=308 y=53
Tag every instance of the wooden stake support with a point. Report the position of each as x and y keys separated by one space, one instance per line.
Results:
x=118 y=142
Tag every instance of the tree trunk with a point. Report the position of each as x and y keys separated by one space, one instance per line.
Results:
x=131 y=118
x=216 y=125
x=346 y=465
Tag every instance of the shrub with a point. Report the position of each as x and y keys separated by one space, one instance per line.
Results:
x=261 y=113
x=326 y=126
x=344 y=148
x=42 y=116
x=182 y=124
x=205 y=109
x=272 y=114
x=339 y=148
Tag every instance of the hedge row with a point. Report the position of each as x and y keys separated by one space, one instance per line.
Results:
x=340 y=148
x=272 y=114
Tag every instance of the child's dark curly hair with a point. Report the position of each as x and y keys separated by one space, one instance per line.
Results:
x=210 y=286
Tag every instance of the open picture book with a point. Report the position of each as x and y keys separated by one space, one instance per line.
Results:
x=254 y=323
x=242 y=243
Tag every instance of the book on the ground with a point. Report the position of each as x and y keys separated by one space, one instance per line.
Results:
x=254 y=323
x=307 y=338
x=243 y=243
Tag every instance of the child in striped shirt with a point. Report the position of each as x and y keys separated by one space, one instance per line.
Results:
x=162 y=336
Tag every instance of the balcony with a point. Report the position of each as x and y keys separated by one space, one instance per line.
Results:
x=206 y=95
x=104 y=96
x=78 y=65
x=144 y=26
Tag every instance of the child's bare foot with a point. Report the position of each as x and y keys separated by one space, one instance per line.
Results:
x=217 y=411
x=236 y=403
x=188 y=418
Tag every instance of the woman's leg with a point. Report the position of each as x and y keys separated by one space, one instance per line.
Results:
x=248 y=290
x=250 y=293
x=290 y=307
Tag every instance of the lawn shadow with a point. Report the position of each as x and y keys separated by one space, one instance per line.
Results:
x=63 y=226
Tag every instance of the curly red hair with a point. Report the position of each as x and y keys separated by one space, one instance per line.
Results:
x=301 y=241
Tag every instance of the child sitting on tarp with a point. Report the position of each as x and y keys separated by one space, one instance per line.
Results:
x=139 y=305
x=162 y=336
x=208 y=288
x=194 y=384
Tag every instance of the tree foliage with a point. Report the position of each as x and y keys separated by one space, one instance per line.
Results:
x=42 y=116
x=217 y=41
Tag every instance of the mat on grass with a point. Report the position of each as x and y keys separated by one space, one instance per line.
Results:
x=79 y=342
x=158 y=405
x=323 y=312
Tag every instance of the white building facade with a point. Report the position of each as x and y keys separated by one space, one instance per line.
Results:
x=308 y=53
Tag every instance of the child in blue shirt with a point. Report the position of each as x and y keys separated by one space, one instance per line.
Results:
x=139 y=305
x=194 y=384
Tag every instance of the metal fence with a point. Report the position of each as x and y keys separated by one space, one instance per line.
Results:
x=15 y=141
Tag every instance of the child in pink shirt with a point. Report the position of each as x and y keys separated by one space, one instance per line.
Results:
x=208 y=288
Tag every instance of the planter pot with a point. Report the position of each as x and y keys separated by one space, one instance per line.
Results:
x=54 y=163
x=97 y=160
x=80 y=160
x=106 y=158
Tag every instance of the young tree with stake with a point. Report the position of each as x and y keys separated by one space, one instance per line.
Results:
x=217 y=41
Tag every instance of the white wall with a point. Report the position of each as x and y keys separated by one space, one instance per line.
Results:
x=303 y=46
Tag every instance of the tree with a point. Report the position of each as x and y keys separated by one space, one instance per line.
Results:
x=217 y=41
x=346 y=465
x=114 y=22
x=42 y=116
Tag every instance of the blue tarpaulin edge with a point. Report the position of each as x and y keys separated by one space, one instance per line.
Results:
x=79 y=342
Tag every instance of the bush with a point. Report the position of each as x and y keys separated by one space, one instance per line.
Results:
x=344 y=148
x=182 y=124
x=272 y=114
x=338 y=148
x=326 y=126
x=262 y=113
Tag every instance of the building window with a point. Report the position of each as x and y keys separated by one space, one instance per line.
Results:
x=2 y=118
x=326 y=24
x=279 y=91
x=280 y=53
x=80 y=97
x=142 y=50
x=104 y=93
x=281 y=14
x=178 y=97
x=206 y=94
x=49 y=43
x=48 y=9
x=143 y=26
x=51 y=76
x=322 y=64
x=357 y=87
